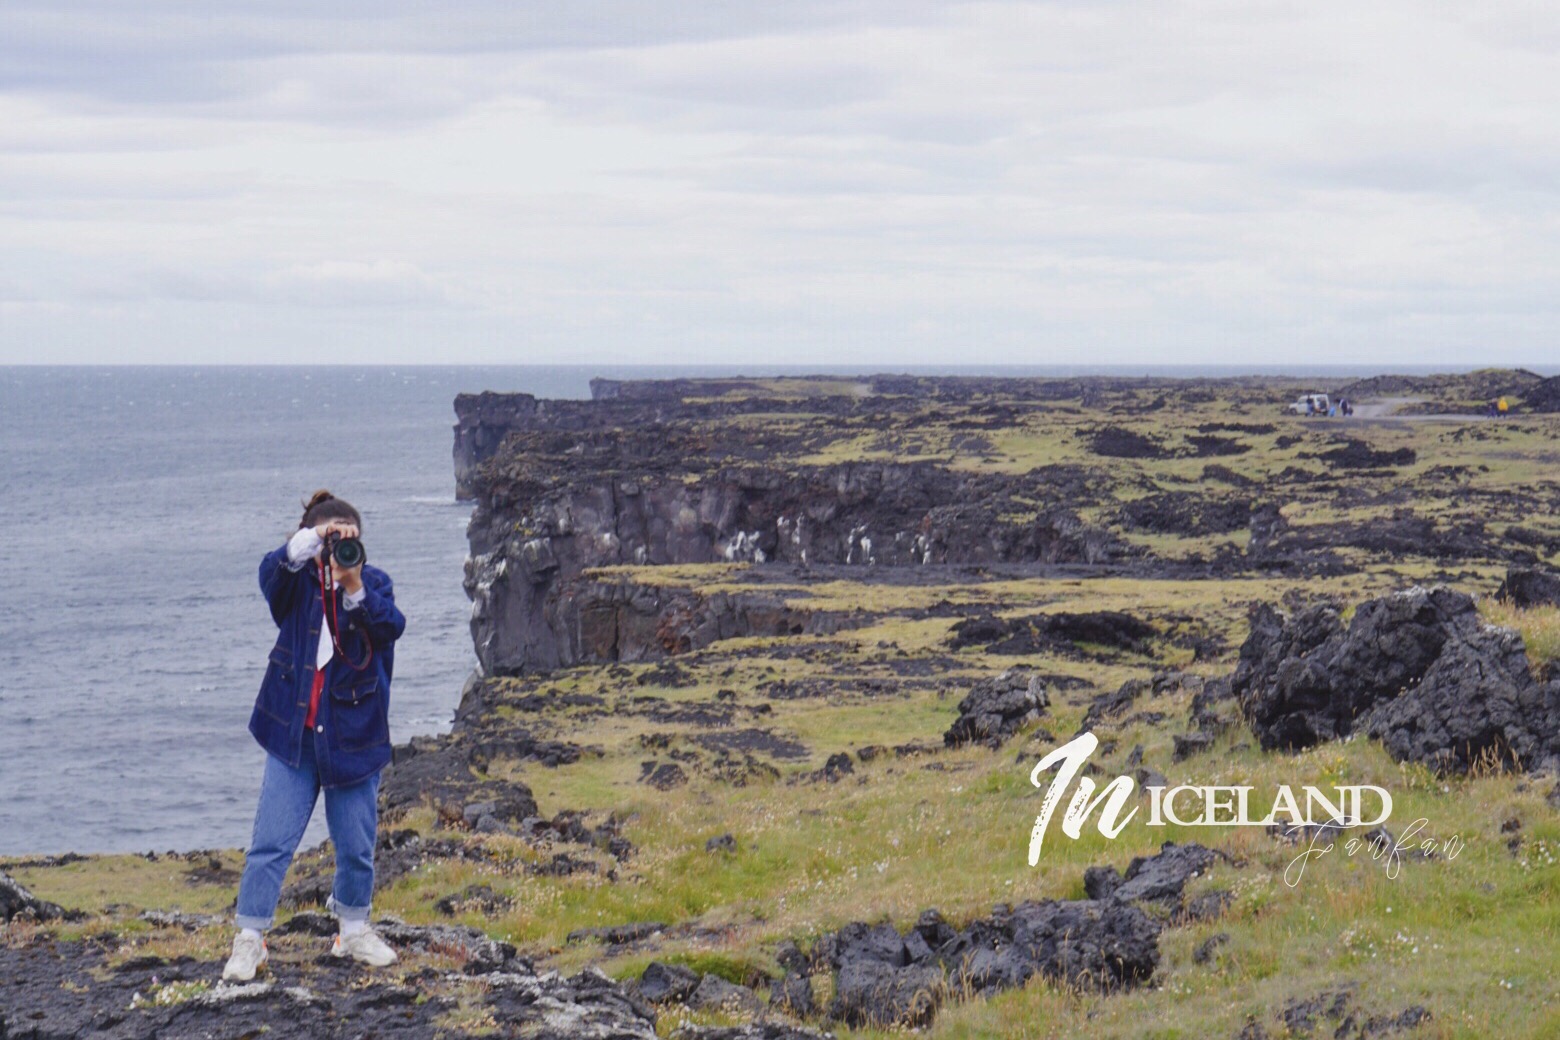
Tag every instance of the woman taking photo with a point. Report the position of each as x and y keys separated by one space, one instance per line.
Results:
x=322 y=717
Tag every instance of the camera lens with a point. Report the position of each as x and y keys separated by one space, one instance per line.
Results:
x=348 y=553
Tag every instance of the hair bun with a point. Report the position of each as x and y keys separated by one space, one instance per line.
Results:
x=323 y=505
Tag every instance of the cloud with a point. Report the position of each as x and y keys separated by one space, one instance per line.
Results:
x=1207 y=179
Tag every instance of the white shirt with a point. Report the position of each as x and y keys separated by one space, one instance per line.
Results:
x=301 y=548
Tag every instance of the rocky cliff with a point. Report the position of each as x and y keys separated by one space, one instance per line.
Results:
x=904 y=471
x=549 y=508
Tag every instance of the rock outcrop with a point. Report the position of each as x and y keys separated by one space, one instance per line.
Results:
x=885 y=978
x=1543 y=396
x=1159 y=879
x=1530 y=587
x=998 y=707
x=16 y=901
x=1417 y=669
x=438 y=770
x=1107 y=942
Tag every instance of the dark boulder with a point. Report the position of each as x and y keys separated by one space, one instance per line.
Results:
x=793 y=994
x=1418 y=668
x=1159 y=879
x=1094 y=943
x=838 y=766
x=872 y=993
x=933 y=929
x=1054 y=633
x=1101 y=882
x=1527 y=587
x=1113 y=705
x=714 y=993
x=1120 y=443
x=791 y=958
x=998 y=707
x=859 y=940
x=1209 y=906
x=1189 y=744
x=1184 y=513
x=480 y=955
x=16 y=901
x=438 y=770
x=749 y=1031
x=1353 y=454
x=1477 y=703
x=1543 y=396
x=886 y=978
x=662 y=982
x=1213 y=707
x=663 y=776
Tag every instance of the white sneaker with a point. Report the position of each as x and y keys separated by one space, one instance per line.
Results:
x=364 y=946
x=249 y=952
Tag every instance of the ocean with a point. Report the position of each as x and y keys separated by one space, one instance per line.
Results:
x=136 y=504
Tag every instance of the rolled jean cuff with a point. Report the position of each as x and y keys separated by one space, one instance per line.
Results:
x=259 y=924
x=346 y=913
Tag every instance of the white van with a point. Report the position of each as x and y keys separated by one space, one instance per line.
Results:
x=1320 y=405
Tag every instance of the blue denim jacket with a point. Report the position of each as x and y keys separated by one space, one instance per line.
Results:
x=352 y=727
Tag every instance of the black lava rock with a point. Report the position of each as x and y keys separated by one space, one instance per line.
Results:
x=1528 y=587
x=1419 y=669
x=16 y=901
x=998 y=707
x=663 y=982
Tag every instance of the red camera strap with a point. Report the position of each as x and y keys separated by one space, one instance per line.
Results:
x=328 y=609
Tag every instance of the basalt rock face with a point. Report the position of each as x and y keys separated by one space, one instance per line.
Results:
x=484 y=420
x=554 y=500
x=1313 y=549
x=520 y=624
x=1417 y=669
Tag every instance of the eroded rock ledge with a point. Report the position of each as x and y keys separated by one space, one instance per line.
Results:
x=550 y=508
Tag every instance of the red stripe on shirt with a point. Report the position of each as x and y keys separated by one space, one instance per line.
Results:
x=314 y=697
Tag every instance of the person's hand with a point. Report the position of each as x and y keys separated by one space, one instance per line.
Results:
x=341 y=527
x=350 y=579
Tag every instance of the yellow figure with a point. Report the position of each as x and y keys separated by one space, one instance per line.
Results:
x=1501 y=404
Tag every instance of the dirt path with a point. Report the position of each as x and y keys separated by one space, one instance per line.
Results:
x=1380 y=408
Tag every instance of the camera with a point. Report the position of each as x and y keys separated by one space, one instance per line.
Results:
x=346 y=552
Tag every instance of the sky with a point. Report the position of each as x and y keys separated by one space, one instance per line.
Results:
x=800 y=182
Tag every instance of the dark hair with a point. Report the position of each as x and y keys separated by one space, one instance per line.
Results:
x=323 y=506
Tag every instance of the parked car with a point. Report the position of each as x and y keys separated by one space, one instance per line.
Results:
x=1319 y=404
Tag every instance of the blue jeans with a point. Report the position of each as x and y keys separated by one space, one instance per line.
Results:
x=287 y=798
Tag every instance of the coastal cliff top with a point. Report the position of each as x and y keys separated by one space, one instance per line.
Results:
x=768 y=665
